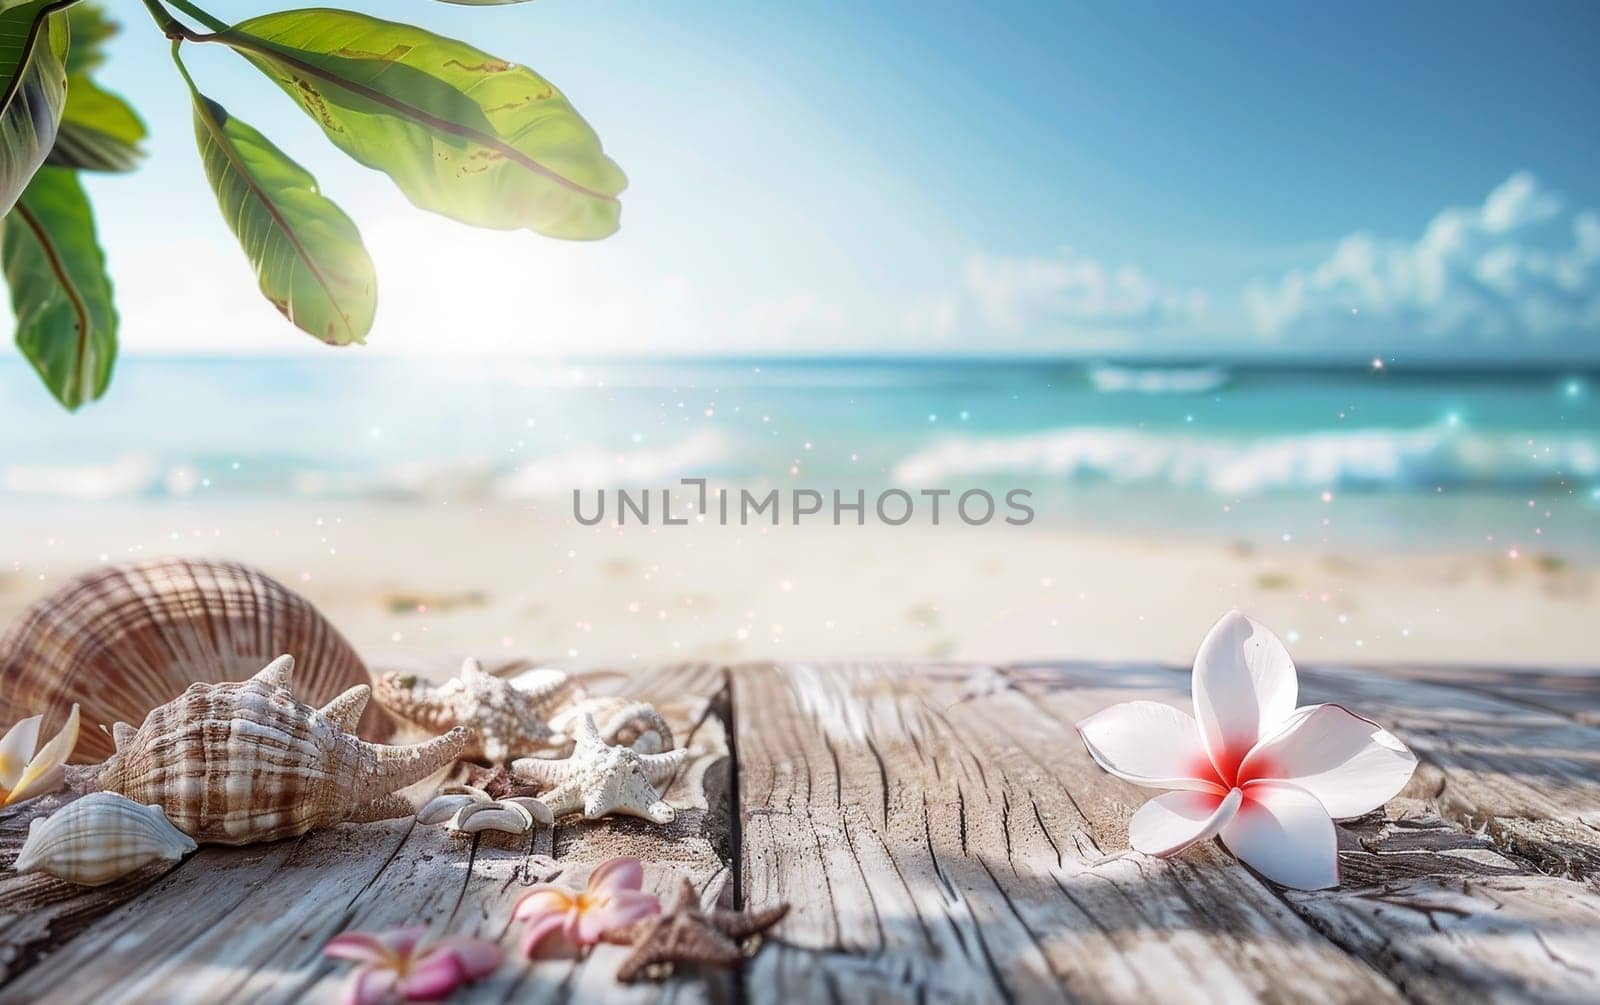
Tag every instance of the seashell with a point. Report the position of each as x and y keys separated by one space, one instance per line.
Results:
x=123 y=639
x=539 y=811
x=503 y=817
x=622 y=722
x=444 y=805
x=99 y=838
x=242 y=762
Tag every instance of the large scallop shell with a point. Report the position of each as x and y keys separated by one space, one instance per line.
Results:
x=245 y=761
x=123 y=639
x=99 y=838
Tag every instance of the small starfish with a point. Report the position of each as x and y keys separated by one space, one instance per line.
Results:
x=689 y=934
x=506 y=721
x=599 y=779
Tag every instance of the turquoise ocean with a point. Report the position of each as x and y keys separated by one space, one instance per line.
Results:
x=1391 y=456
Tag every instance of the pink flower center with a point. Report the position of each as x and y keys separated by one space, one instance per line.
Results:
x=1203 y=769
x=1260 y=767
x=1226 y=769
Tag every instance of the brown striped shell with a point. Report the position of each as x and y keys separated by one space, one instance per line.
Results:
x=242 y=762
x=123 y=639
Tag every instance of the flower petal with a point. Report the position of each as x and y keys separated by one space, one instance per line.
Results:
x=361 y=946
x=546 y=939
x=623 y=908
x=16 y=748
x=41 y=775
x=432 y=978
x=1152 y=744
x=622 y=873
x=1351 y=764
x=370 y=985
x=386 y=947
x=542 y=900
x=478 y=957
x=1244 y=688
x=1170 y=823
x=1282 y=832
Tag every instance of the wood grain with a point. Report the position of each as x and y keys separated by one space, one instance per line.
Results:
x=966 y=850
x=1489 y=767
x=248 y=925
x=942 y=837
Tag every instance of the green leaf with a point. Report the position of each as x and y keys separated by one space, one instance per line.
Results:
x=33 y=52
x=91 y=29
x=307 y=254
x=462 y=133
x=99 y=131
x=60 y=293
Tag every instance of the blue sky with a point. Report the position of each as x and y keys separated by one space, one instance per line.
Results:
x=1363 y=179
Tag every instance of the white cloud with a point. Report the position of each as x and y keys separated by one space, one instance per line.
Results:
x=1523 y=267
x=1064 y=293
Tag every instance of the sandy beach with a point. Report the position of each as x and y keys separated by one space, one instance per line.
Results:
x=527 y=580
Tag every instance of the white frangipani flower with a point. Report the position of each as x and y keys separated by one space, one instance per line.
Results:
x=25 y=772
x=1250 y=767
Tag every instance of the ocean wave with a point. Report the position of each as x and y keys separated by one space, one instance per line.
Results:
x=1369 y=459
x=1157 y=380
x=588 y=466
x=595 y=467
x=128 y=475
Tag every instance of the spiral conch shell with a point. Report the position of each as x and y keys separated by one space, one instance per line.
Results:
x=243 y=762
x=100 y=838
x=122 y=639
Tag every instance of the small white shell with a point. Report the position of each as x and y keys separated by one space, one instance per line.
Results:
x=444 y=806
x=516 y=815
x=99 y=838
x=539 y=811
x=508 y=819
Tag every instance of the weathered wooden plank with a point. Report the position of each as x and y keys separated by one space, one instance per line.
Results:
x=936 y=848
x=1574 y=694
x=1527 y=775
x=1508 y=939
x=248 y=925
x=1425 y=856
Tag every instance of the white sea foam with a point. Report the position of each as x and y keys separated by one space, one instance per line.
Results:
x=128 y=475
x=1363 y=458
x=595 y=467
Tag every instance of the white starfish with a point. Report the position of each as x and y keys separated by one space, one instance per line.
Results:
x=599 y=779
x=505 y=720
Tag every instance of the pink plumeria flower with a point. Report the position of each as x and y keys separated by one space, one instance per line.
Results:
x=564 y=922
x=397 y=966
x=25 y=772
x=1268 y=777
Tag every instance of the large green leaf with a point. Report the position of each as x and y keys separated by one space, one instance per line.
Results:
x=60 y=293
x=91 y=30
x=307 y=254
x=462 y=133
x=33 y=52
x=99 y=131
